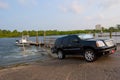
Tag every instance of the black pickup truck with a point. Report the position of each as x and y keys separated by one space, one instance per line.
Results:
x=84 y=45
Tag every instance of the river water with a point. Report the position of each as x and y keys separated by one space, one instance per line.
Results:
x=12 y=54
x=115 y=38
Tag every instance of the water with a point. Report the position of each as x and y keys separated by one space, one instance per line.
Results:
x=115 y=38
x=12 y=54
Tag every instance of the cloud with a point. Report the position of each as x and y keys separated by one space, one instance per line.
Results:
x=106 y=4
x=77 y=8
x=64 y=9
x=99 y=16
x=109 y=8
x=3 y=5
x=28 y=2
x=88 y=17
x=73 y=6
x=101 y=10
x=22 y=1
x=110 y=3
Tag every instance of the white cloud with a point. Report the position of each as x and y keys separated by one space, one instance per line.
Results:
x=3 y=5
x=109 y=3
x=102 y=9
x=64 y=9
x=73 y=6
x=77 y=8
x=28 y=2
x=109 y=9
x=21 y=1
x=88 y=18
x=101 y=16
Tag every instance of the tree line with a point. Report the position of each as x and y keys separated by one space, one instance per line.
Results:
x=15 y=33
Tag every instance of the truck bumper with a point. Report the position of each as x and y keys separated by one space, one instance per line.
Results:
x=110 y=50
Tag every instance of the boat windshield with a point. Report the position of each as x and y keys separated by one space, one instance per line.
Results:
x=85 y=36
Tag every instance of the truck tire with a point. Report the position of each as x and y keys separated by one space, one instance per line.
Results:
x=89 y=55
x=52 y=50
x=60 y=55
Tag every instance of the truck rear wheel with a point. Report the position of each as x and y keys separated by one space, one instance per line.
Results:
x=60 y=55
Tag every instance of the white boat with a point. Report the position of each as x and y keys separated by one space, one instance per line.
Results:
x=24 y=41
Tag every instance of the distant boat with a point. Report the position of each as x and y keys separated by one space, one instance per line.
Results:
x=24 y=41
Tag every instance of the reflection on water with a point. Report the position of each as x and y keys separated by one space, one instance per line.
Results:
x=29 y=54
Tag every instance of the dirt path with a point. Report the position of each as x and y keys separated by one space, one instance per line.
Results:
x=71 y=68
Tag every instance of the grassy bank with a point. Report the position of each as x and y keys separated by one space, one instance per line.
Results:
x=15 y=33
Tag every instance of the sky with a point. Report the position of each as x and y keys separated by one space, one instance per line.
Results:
x=58 y=14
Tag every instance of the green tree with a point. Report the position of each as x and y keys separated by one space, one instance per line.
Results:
x=118 y=27
x=112 y=29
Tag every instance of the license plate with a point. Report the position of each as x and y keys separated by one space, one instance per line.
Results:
x=112 y=51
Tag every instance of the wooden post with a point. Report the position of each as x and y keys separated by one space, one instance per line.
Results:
x=110 y=34
x=44 y=39
x=37 y=42
x=94 y=34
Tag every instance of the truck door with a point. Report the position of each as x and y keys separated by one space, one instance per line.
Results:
x=71 y=45
x=74 y=45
